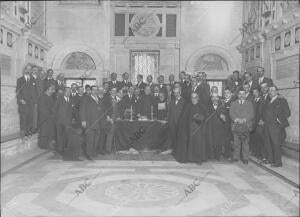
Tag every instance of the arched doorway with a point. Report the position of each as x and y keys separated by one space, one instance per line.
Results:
x=215 y=62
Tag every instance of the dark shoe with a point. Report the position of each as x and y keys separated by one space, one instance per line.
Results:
x=276 y=165
x=245 y=162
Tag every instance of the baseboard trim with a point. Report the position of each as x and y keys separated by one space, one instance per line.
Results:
x=24 y=163
x=294 y=184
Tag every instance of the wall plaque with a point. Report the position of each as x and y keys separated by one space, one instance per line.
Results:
x=297 y=34
x=277 y=43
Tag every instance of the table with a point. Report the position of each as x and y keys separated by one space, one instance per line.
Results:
x=141 y=135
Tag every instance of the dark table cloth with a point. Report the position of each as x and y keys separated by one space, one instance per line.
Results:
x=141 y=135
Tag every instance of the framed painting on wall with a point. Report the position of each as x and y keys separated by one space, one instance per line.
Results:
x=36 y=52
x=277 y=43
x=287 y=39
x=42 y=54
x=1 y=36
x=9 y=39
x=297 y=35
x=29 y=49
x=252 y=53
x=247 y=55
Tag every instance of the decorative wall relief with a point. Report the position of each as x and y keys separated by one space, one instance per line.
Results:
x=297 y=34
x=78 y=61
x=145 y=25
x=211 y=62
x=9 y=39
x=287 y=39
x=277 y=43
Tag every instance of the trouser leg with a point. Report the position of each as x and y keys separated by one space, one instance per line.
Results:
x=245 y=148
x=237 y=147
x=90 y=141
x=276 y=140
x=61 y=134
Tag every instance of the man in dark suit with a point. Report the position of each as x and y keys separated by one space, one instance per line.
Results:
x=229 y=97
x=49 y=79
x=137 y=102
x=242 y=114
x=36 y=81
x=161 y=85
x=203 y=89
x=253 y=84
x=150 y=83
x=172 y=85
x=262 y=79
x=60 y=83
x=27 y=95
x=183 y=84
x=75 y=100
x=265 y=99
x=126 y=103
x=125 y=83
x=175 y=110
x=113 y=83
x=140 y=84
x=249 y=95
x=256 y=137
x=62 y=110
x=276 y=120
x=234 y=83
x=92 y=119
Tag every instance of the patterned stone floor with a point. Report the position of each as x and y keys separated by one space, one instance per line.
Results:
x=144 y=185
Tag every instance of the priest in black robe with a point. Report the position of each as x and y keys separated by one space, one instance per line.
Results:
x=161 y=107
x=147 y=104
x=46 y=119
x=216 y=129
x=191 y=137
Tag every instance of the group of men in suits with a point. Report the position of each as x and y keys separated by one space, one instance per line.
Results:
x=250 y=112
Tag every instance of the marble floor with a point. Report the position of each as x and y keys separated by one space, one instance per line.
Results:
x=144 y=185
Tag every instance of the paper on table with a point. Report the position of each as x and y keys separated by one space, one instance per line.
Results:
x=162 y=106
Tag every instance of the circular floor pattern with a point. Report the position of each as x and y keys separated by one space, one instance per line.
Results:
x=137 y=192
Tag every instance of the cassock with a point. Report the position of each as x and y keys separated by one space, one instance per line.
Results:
x=204 y=93
x=147 y=106
x=276 y=120
x=45 y=121
x=216 y=130
x=62 y=110
x=93 y=115
x=190 y=145
x=175 y=110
